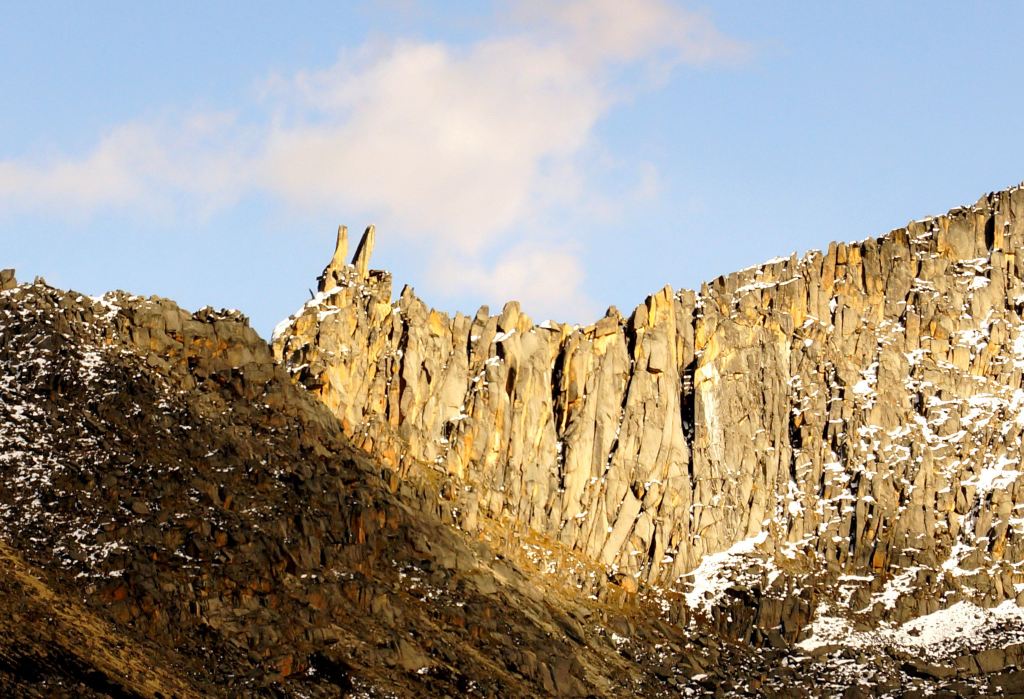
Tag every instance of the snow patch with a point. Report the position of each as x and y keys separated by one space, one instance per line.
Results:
x=717 y=571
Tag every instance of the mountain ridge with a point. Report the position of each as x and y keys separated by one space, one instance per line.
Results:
x=721 y=495
x=161 y=472
x=848 y=414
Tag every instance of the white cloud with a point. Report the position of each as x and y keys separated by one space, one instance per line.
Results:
x=103 y=178
x=603 y=31
x=453 y=147
x=135 y=166
x=433 y=139
x=546 y=279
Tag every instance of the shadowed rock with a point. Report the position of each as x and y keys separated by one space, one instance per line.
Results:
x=361 y=260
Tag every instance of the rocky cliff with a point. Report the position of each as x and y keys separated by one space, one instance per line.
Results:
x=800 y=481
x=852 y=417
x=178 y=519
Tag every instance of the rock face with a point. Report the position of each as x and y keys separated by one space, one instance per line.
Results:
x=852 y=415
x=800 y=481
x=178 y=519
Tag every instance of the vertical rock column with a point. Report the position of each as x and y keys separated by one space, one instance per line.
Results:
x=852 y=409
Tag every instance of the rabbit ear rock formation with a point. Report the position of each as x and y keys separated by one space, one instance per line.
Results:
x=852 y=414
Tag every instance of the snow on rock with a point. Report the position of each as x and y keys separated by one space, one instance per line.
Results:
x=718 y=571
x=939 y=636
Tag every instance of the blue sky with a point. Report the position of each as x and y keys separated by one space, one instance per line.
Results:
x=572 y=155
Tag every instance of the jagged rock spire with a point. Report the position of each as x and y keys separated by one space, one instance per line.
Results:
x=329 y=279
x=361 y=260
x=340 y=247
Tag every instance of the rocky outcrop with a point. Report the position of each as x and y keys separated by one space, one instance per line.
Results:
x=177 y=518
x=7 y=280
x=800 y=481
x=851 y=415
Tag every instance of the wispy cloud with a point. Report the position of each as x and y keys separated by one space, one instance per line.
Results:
x=143 y=166
x=460 y=145
x=432 y=138
x=546 y=278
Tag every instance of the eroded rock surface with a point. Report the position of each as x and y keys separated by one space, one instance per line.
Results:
x=801 y=480
x=177 y=518
x=851 y=416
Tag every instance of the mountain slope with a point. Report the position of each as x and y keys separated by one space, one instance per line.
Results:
x=378 y=515
x=161 y=476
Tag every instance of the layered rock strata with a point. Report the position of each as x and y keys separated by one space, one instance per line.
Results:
x=854 y=413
